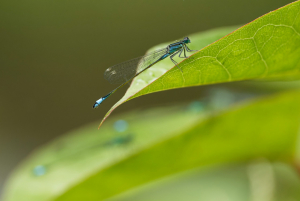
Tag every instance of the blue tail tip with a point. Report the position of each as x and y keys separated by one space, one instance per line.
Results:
x=95 y=105
x=98 y=102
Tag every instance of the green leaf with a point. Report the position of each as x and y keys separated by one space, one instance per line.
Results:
x=255 y=180
x=67 y=161
x=92 y=166
x=268 y=47
x=268 y=128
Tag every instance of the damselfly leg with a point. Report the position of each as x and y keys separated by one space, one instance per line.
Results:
x=171 y=57
x=182 y=50
x=188 y=49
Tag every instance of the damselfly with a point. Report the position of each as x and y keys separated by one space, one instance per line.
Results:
x=123 y=73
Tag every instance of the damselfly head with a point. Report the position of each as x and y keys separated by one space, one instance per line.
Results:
x=186 y=40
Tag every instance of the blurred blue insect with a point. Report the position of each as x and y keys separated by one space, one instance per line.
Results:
x=123 y=73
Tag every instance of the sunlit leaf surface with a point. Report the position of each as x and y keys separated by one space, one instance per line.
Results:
x=265 y=48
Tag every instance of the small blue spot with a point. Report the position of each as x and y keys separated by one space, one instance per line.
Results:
x=39 y=170
x=121 y=125
x=196 y=106
x=120 y=140
x=221 y=98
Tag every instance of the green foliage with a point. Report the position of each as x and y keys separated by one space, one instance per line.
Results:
x=86 y=165
x=272 y=127
x=90 y=164
x=71 y=159
x=265 y=48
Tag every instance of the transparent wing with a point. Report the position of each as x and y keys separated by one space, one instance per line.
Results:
x=123 y=72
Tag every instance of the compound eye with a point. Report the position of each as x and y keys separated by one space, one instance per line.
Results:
x=186 y=40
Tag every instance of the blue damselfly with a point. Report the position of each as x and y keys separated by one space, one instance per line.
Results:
x=123 y=73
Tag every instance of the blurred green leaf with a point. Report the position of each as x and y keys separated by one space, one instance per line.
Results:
x=268 y=47
x=256 y=180
x=69 y=160
x=268 y=128
x=94 y=166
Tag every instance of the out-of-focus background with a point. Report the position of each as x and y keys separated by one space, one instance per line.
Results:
x=53 y=55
